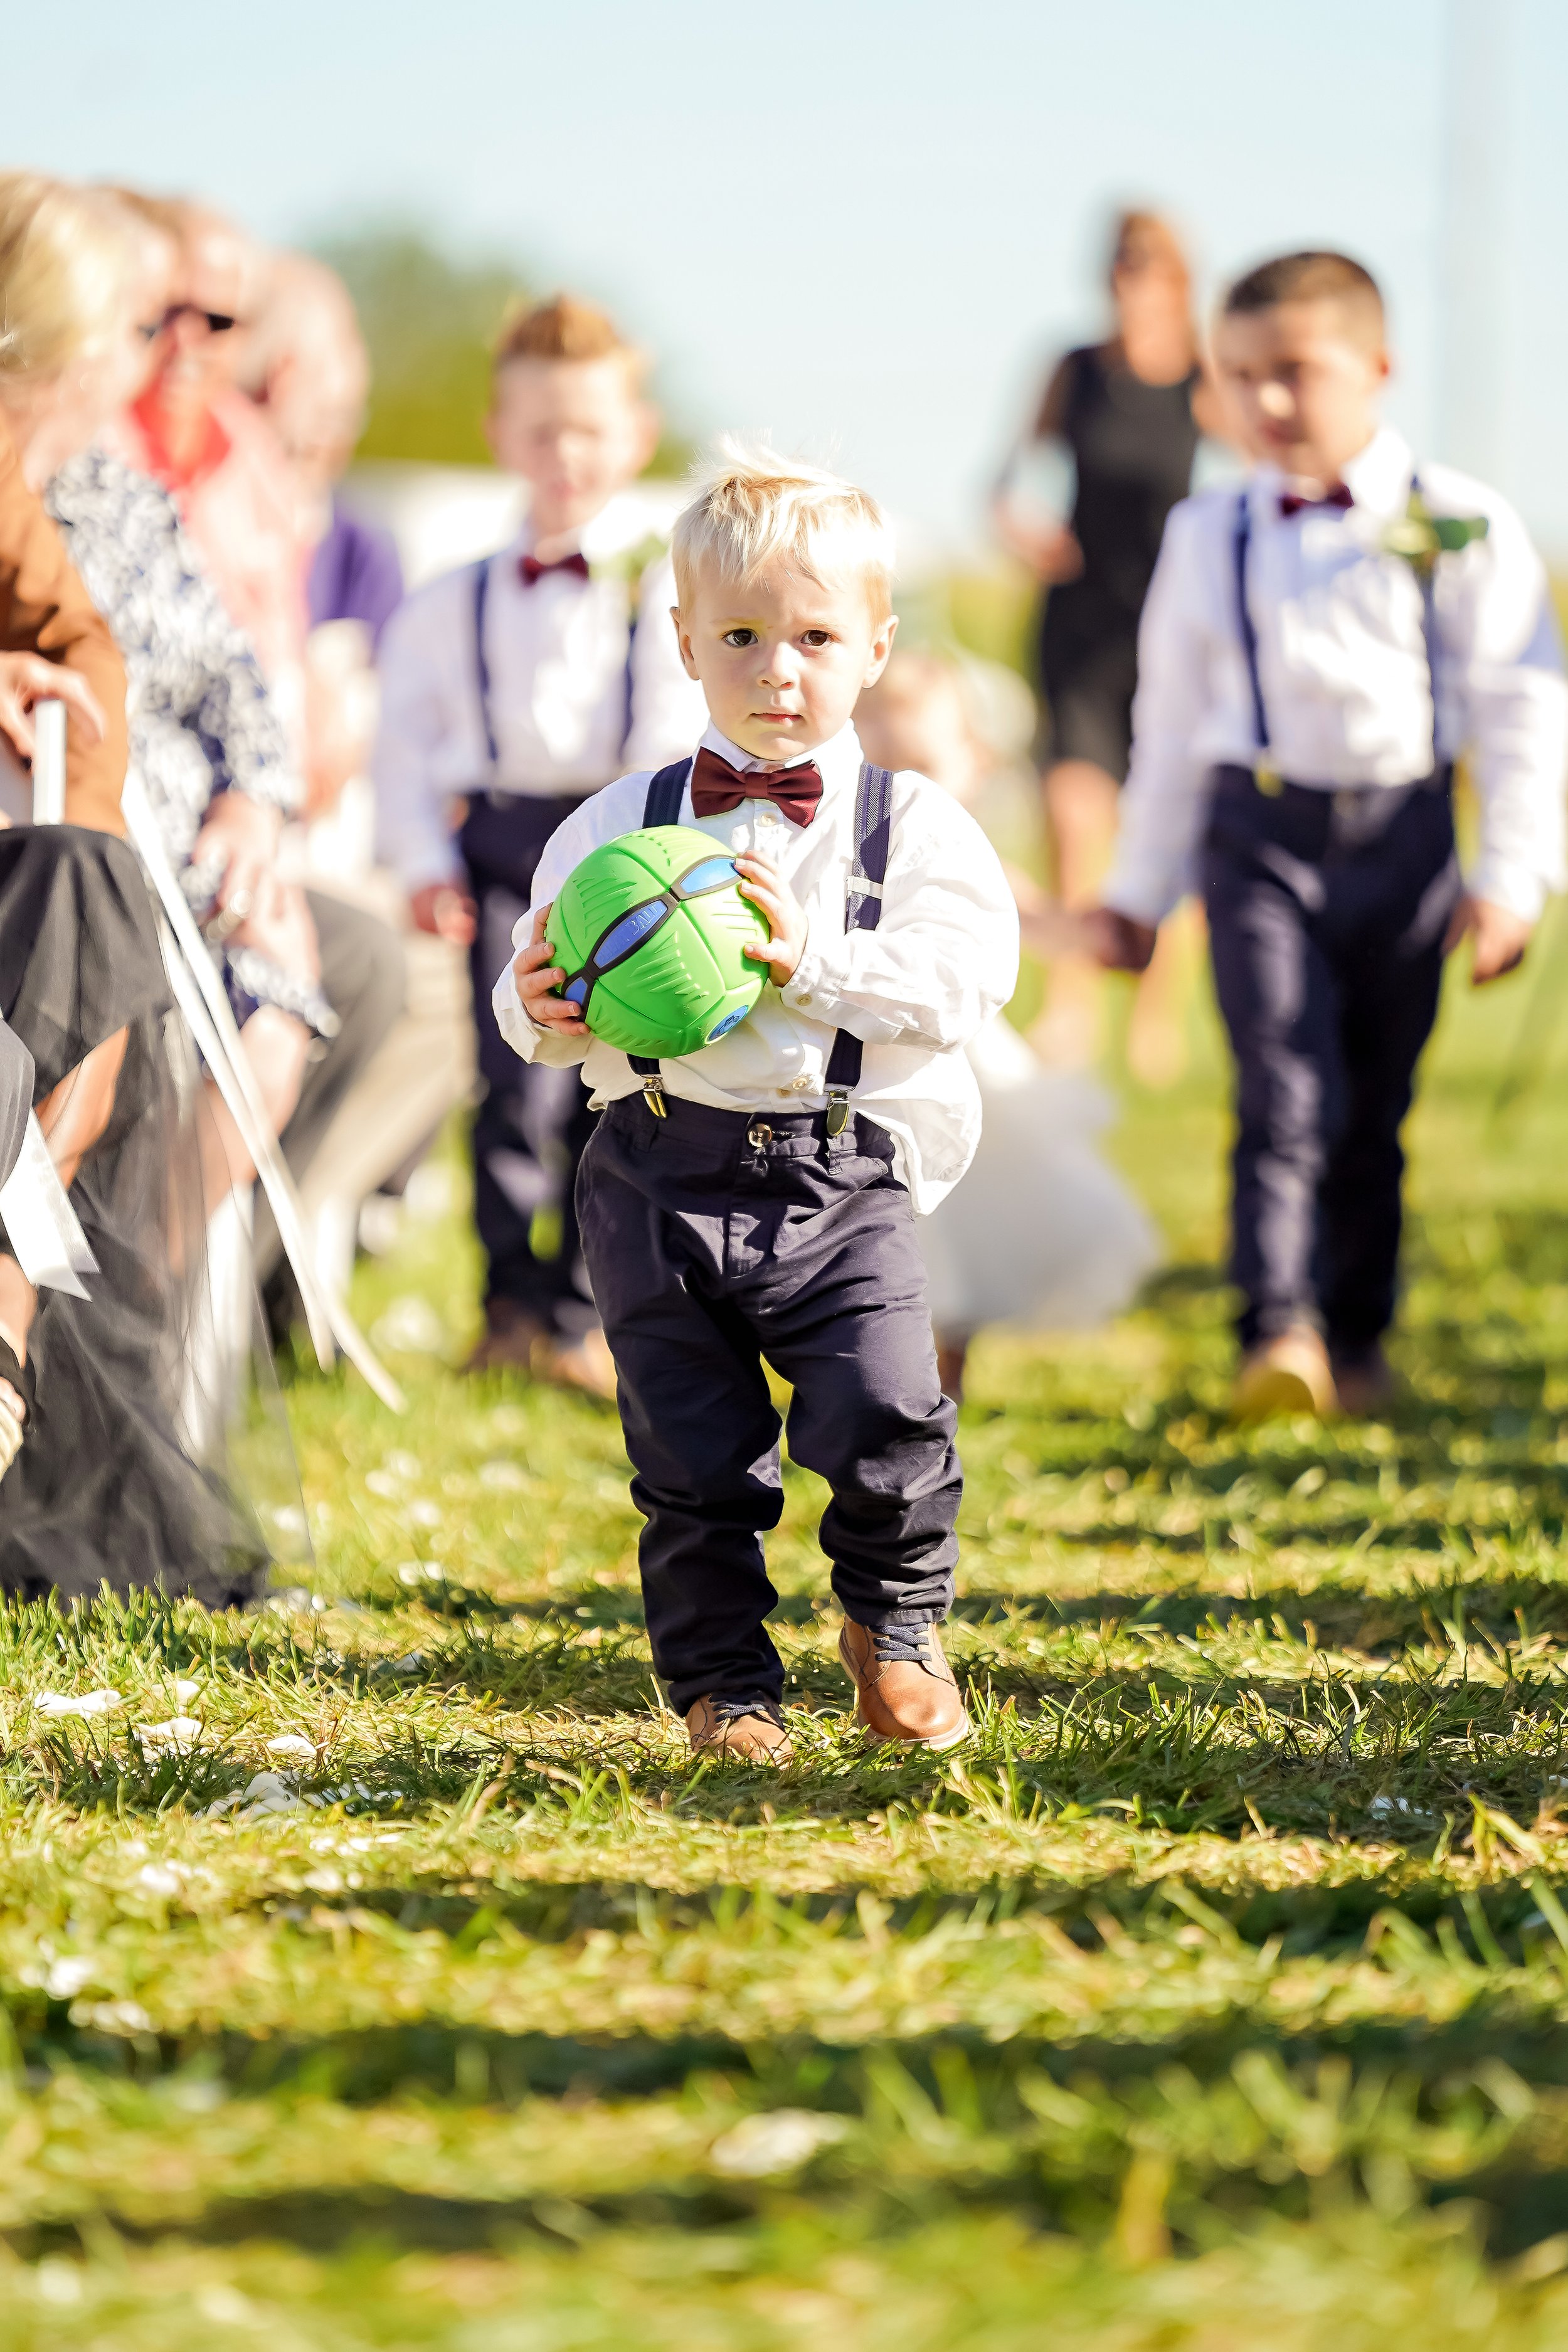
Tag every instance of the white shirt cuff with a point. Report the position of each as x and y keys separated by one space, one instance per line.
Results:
x=812 y=984
x=1521 y=893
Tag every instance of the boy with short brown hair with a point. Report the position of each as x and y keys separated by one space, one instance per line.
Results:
x=1316 y=651
x=512 y=690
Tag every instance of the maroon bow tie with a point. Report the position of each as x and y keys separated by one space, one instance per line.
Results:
x=717 y=787
x=1290 y=504
x=529 y=568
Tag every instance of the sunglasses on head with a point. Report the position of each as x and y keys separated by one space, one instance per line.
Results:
x=219 y=321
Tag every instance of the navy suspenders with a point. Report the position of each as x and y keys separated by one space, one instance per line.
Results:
x=1269 y=779
x=1263 y=768
x=481 y=659
x=482 y=579
x=665 y=792
x=862 y=913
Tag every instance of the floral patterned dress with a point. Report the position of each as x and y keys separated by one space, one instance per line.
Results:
x=202 y=718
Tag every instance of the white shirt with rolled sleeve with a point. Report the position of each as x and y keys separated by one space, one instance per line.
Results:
x=942 y=959
x=557 y=655
x=1343 y=664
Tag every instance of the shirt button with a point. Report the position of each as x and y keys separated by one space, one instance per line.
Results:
x=799 y=1086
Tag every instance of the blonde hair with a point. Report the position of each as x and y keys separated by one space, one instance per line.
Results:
x=753 y=508
x=66 y=266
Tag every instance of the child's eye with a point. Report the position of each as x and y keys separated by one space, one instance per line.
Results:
x=817 y=637
x=739 y=637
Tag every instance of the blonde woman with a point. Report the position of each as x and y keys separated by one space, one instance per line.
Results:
x=105 y=1486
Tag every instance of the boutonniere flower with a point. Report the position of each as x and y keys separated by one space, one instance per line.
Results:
x=627 y=564
x=1421 y=537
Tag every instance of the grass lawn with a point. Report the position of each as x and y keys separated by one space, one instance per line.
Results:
x=1217 y=1996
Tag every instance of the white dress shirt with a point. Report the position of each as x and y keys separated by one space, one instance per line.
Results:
x=944 y=959
x=557 y=657
x=1342 y=661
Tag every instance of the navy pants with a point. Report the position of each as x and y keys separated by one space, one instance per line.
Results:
x=715 y=1240
x=1327 y=913
x=533 y=1123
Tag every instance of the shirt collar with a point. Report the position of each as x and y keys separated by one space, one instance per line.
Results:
x=1377 y=477
x=837 y=758
x=617 y=529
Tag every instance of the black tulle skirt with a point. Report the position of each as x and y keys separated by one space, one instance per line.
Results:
x=131 y=1473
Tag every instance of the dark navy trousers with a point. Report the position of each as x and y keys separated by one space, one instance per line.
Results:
x=715 y=1240
x=1327 y=913
x=532 y=1122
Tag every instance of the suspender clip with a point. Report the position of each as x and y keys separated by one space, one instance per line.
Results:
x=1267 y=779
x=653 y=1094
x=837 y=1118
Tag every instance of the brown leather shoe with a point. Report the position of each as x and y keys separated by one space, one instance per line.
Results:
x=904 y=1685
x=751 y=1731
x=511 y=1335
x=1287 y=1375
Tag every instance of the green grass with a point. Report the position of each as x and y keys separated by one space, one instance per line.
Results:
x=1218 y=1995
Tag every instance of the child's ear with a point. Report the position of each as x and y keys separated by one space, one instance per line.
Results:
x=645 y=440
x=881 y=647
x=683 y=641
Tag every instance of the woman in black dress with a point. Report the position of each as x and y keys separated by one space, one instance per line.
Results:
x=1127 y=412
x=120 y=1435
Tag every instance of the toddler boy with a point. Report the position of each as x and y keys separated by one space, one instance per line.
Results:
x=1316 y=651
x=512 y=690
x=755 y=1198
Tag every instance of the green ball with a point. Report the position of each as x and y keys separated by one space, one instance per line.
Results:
x=650 y=931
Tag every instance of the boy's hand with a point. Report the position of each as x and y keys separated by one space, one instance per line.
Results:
x=1117 y=942
x=537 y=976
x=442 y=909
x=761 y=882
x=1500 y=938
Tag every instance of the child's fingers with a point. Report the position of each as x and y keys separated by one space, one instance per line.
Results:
x=550 y=1012
x=766 y=896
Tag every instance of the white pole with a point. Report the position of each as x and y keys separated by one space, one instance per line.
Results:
x=50 y=763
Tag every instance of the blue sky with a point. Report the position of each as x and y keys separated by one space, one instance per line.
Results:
x=865 y=226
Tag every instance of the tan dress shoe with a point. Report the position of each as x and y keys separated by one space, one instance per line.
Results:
x=586 y=1364
x=1287 y=1375
x=752 y=1733
x=904 y=1686
x=511 y=1335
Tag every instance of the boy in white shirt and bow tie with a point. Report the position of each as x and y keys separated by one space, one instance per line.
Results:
x=510 y=690
x=754 y=1200
x=1316 y=651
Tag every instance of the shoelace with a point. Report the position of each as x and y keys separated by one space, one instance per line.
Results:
x=902 y=1646
x=730 y=1710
